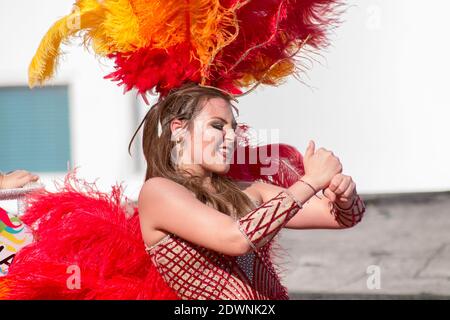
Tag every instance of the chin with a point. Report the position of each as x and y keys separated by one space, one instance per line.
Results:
x=225 y=169
x=219 y=168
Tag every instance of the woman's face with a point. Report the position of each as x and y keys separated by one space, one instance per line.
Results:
x=211 y=140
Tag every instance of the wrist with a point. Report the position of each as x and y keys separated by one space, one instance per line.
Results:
x=346 y=205
x=301 y=191
x=352 y=215
x=312 y=182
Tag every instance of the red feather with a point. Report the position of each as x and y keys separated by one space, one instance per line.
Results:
x=250 y=162
x=80 y=226
x=266 y=28
x=88 y=229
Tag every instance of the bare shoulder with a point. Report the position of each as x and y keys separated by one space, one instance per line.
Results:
x=156 y=195
x=156 y=182
x=161 y=188
x=162 y=185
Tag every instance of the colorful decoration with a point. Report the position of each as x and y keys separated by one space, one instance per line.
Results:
x=87 y=245
x=14 y=235
x=158 y=45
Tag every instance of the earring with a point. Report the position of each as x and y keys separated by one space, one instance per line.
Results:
x=159 y=128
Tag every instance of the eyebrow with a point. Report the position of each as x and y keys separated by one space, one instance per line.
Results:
x=233 y=124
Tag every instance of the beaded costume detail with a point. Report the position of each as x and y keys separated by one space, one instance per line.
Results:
x=352 y=215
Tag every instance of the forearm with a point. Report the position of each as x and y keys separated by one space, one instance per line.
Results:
x=263 y=223
x=349 y=215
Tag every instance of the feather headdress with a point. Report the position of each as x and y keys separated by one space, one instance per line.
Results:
x=157 y=45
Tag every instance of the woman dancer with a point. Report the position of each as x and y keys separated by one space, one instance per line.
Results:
x=220 y=250
x=204 y=226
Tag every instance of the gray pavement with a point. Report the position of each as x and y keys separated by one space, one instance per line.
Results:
x=405 y=236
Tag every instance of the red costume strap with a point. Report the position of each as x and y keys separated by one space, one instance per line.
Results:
x=352 y=215
x=264 y=222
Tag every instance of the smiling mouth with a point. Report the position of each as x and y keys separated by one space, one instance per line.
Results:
x=226 y=153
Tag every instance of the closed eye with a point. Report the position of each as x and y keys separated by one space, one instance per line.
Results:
x=218 y=126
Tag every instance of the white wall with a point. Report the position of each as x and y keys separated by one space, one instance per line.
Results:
x=101 y=117
x=380 y=100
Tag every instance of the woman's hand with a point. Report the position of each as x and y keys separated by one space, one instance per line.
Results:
x=320 y=166
x=342 y=190
x=17 y=179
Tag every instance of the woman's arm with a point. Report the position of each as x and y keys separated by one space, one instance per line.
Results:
x=168 y=206
x=318 y=212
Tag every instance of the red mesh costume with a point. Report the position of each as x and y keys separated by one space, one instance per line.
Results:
x=195 y=272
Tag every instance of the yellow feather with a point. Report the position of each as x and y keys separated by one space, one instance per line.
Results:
x=45 y=60
x=126 y=25
x=205 y=24
x=118 y=31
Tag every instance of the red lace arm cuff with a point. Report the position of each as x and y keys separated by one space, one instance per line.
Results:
x=261 y=224
x=351 y=216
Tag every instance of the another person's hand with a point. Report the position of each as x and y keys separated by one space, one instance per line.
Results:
x=16 y=179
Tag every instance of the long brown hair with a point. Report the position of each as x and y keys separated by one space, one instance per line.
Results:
x=184 y=103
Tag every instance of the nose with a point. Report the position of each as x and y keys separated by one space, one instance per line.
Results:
x=230 y=135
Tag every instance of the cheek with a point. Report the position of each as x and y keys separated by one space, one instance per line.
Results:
x=203 y=145
x=211 y=139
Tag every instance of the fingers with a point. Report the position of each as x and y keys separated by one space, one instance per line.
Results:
x=341 y=188
x=344 y=185
x=339 y=168
x=329 y=194
x=345 y=197
x=18 y=173
x=329 y=152
x=310 y=149
x=30 y=178
x=21 y=173
x=19 y=178
x=22 y=181
x=335 y=182
x=350 y=191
